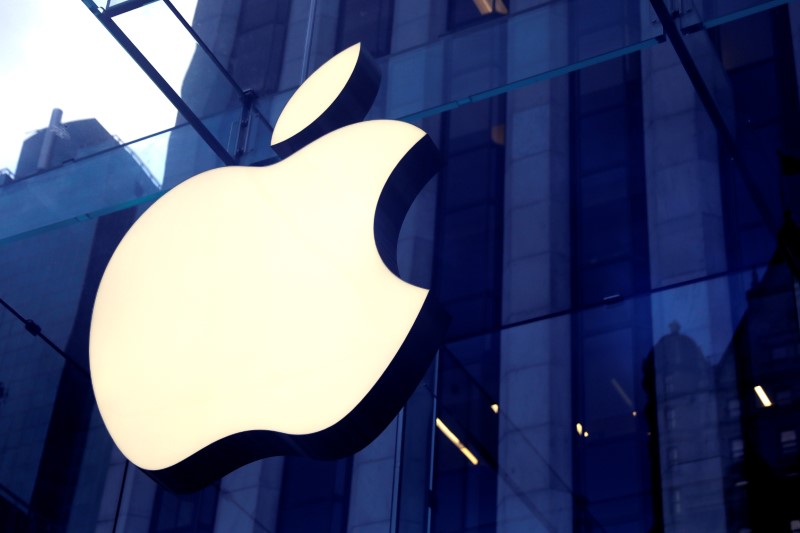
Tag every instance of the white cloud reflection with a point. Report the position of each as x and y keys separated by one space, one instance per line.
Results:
x=56 y=54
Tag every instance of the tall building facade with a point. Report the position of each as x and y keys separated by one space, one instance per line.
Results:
x=613 y=232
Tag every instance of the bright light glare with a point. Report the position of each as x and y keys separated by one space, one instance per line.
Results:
x=579 y=428
x=452 y=437
x=762 y=395
x=252 y=298
x=495 y=408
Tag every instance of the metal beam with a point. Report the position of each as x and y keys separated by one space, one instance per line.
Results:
x=204 y=47
x=160 y=82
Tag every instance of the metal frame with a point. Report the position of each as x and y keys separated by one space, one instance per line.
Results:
x=247 y=98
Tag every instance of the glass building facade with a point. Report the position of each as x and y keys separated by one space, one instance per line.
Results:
x=614 y=233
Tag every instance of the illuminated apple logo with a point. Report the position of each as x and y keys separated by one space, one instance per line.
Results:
x=253 y=312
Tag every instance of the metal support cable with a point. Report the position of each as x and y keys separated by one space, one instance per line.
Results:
x=119 y=498
x=36 y=330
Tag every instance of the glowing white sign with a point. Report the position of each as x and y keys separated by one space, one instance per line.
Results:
x=250 y=312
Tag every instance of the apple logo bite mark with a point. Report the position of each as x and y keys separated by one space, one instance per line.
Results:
x=253 y=312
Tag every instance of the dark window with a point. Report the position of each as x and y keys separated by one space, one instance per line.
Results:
x=789 y=442
x=315 y=495
x=467 y=280
x=184 y=513
x=737 y=449
x=368 y=22
x=469 y=227
x=757 y=54
x=610 y=263
x=608 y=182
x=734 y=409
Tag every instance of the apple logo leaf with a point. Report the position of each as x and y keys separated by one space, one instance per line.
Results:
x=253 y=312
x=339 y=93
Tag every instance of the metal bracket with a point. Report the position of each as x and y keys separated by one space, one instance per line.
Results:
x=243 y=133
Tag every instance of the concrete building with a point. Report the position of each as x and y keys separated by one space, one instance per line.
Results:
x=48 y=279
